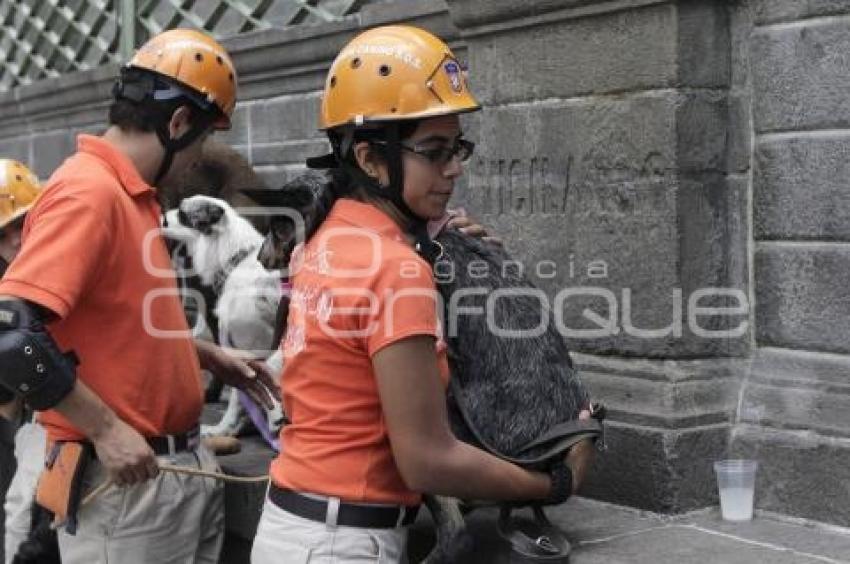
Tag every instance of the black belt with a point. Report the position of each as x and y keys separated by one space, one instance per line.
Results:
x=349 y=515
x=169 y=445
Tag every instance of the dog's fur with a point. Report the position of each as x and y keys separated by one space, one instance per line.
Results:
x=511 y=390
x=223 y=249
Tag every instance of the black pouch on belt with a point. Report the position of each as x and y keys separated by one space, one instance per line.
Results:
x=60 y=484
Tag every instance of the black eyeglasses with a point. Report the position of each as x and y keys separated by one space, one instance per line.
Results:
x=461 y=149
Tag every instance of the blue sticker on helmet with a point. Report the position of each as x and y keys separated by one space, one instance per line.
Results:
x=454 y=73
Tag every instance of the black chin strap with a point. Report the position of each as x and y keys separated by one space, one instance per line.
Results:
x=341 y=144
x=200 y=125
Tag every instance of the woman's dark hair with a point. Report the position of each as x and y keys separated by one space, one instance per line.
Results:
x=344 y=180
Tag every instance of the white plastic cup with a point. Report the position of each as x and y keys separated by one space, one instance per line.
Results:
x=736 y=481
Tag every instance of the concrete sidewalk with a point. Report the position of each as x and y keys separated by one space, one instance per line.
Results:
x=601 y=533
x=611 y=534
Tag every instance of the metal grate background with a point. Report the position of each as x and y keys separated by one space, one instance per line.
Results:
x=45 y=38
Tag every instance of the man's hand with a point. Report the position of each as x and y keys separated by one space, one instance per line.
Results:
x=235 y=369
x=124 y=453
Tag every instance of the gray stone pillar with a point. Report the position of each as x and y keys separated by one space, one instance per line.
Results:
x=795 y=411
x=607 y=162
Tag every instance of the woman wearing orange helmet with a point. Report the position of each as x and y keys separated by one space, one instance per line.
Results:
x=365 y=373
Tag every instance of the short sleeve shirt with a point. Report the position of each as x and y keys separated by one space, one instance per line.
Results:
x=357 y=287
x=92 y=253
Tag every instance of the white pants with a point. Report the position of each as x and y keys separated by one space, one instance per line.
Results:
x=172 y=519
x=284 y=538
x=30 y=445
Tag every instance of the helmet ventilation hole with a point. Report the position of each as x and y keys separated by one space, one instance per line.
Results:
x=199 y=57
x=219 y=60
x=355 y=62
x=18 y=177
x=385 y=70
x=230 y=76
x=333 y=81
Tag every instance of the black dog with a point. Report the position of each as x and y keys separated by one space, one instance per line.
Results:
x=505 y=393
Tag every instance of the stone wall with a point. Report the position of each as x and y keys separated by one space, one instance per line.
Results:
x=637 y=156
x=795 y=404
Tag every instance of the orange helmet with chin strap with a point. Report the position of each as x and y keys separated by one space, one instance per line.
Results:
x=392 y=73
x=181 y=67
x=19 y=190
x=196 y=62
x=384 y=77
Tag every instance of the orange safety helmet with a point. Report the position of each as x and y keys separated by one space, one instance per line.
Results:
x=391 y=73
x=193 y=59
x=19 y=190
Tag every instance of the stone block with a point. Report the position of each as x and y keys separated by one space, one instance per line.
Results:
x=703 y=43
x=587 y=193
x=240 y=127
x=17 y=148
x=800 y=189
x=738 y=124
x=798 y=407
x=612 y=52
x=646 y=45
x=291 y=153
x=667 y=421
x=800 y=472
x=427 y=14
x=658 y=470
x=76 y=90
x=802 y=296
x=702 y=121
x=287 y=61
x=663 y=394
x=798 y=390
x=772 y=11
x=713 y=261
x=288 y=118
x=476 y=13
x=801 y=76
x=49 y=150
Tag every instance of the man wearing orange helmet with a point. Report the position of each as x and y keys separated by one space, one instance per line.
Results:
x=365 y=373
x=92 y=332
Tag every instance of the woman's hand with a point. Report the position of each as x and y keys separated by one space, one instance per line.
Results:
x=580 y=457
x=468 y=226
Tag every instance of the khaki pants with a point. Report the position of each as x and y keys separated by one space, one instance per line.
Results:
x=284 y=538
x=172 y=519
x=30 y=444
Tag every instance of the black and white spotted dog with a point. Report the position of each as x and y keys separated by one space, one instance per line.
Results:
x=222 y=249
x=519 y=398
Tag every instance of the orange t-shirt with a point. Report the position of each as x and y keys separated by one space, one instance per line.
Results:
x=357 y=286
x=92 y=253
